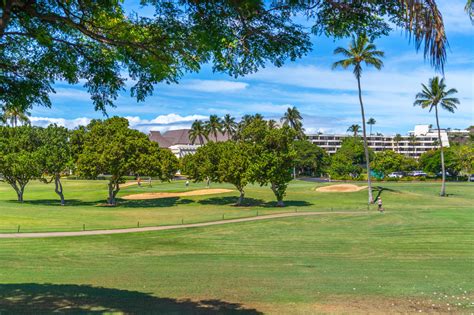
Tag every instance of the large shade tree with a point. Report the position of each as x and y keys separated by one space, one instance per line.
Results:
x=361 y=50
x=111 y=147
x=432 y=96
x=100 y=43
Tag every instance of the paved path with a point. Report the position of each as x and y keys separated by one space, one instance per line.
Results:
x=174 y=227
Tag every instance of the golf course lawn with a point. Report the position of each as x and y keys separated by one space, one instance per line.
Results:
x=418 y=255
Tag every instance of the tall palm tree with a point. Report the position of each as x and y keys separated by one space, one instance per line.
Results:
x=214 y=125
x=361 y=49
x=272 y=124
x=15 y=113
x=436 y=93
x=413 y=141
x=371 y=122
x=355 y=129
x=397 y=139
x=229 y=126
x=198 y=131
x=292 y=118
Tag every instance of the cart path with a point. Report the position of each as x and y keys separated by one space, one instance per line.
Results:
x=178 y=226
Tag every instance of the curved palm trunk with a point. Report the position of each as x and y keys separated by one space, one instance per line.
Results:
x=366 y=148
x=443 y=181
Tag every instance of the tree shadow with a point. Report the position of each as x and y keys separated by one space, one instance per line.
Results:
x=251 y=202
x=57 y=202
x=288 y=203
x=231 y=200
x=33 y=298
x=154 y=203
x=380 y=189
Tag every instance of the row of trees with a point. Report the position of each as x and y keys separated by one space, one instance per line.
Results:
x=102 y=147
x=210 y=129
x=258 y=153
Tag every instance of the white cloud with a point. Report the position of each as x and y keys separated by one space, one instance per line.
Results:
x=68 y=123
x=214 y=86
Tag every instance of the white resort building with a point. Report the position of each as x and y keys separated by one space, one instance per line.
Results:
x=421 y=139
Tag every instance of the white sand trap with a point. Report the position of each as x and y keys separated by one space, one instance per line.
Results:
x=157 y=195
x=341 y=188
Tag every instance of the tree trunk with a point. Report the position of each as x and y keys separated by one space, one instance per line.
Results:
x=278 y=195
x=58 y=188
x=113 y=190
x=443 y=171
x=366 y=148
x=19 y=194
x=240 y=201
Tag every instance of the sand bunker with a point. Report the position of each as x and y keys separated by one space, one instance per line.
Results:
x=341 y=188
x=127 y=184
x=157 y=195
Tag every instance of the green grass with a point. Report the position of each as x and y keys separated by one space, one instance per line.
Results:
x=418 y=254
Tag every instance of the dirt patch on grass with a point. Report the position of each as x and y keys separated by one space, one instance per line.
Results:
x=158 y=195
x=128 y=184
x=341 y=188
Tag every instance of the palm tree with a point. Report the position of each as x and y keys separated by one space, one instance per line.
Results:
x=355 y=129
x=15 y=113
x=413 y=142
x=229 y=126
x=198 y=131
x=214 y=125
x=397 y=139
x=431 y=96
x=371 y=122
x=292 y=118
x=361 y=49
x=272 y=124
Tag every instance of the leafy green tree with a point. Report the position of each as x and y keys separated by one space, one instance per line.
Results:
x=386 y=162
x=371 y=122
x=348 y=160
x=434 y=95
x=229 y=126
x=274 y=159
x=20 y=156
x=293 y=118
x=430 y=161
x=214 y=126
x=310 y=159
x=198 y=131
x=111 y=147
x=361 y=50
x=55 y=156
x=355 y=129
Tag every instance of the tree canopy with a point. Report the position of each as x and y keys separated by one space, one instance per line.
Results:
x=101 y=44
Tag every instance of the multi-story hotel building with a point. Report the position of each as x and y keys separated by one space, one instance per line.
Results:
x=421 y=139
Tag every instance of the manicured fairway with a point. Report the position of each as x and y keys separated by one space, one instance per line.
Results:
x=419 y=255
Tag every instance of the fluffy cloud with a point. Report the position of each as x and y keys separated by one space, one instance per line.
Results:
x=162 y=122
x=214 y=86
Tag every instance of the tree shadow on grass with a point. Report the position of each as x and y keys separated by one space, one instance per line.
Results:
x=33 y=298
x=380 y=189
x=231 y=200
x=154 y=203
x=251 y=202
x=147 y=203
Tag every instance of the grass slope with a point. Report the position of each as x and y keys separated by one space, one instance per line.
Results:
x=416 y=256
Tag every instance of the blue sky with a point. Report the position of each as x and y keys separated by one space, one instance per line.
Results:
x=326 y=98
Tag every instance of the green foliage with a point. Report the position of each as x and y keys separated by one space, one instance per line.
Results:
x=55 y=155
x=110 y=147
x=310 y=159
x=349 y=159
x=293 y=118
x=386 y=162
x=20 y=157
x=274 y=159
x=457 y=159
